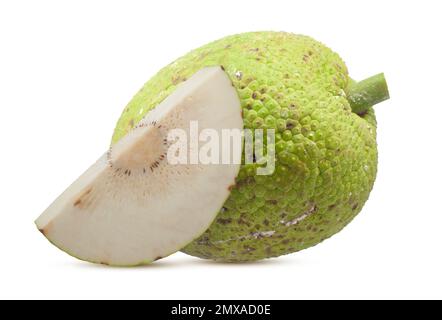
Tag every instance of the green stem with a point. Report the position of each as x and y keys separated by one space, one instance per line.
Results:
x=366 y=93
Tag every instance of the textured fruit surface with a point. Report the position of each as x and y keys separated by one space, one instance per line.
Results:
x=326 y=156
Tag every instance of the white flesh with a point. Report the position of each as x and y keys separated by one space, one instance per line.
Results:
x=123 y=212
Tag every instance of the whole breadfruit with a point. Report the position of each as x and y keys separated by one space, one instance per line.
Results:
x=326 y=155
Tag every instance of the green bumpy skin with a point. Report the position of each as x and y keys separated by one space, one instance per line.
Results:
x=326 y=155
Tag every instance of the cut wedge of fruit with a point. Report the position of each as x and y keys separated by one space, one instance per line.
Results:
x=133 y=206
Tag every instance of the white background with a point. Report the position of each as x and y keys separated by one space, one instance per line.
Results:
x=67 y=69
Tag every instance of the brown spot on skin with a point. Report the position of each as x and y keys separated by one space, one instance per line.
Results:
x=248 y=80
x=77 y=203
x=230 y=188
x=203 y=55
x=290 y=126
x=244 y=182
x=224 y=221
x=254 y=95
x=177 y=79
x=222 y=68
x=158 y=258
x=241 y=220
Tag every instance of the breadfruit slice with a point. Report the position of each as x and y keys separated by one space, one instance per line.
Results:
x=133 y=206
